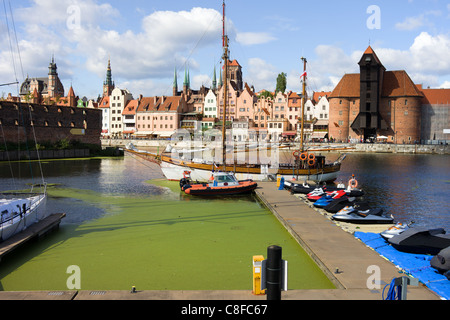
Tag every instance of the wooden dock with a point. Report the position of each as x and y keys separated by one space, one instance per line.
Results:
x=38 y=229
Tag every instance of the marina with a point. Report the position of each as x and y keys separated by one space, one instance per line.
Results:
x=320 y=237
x=340 y=255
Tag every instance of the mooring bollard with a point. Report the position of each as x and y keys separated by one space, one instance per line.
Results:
x=273 y=270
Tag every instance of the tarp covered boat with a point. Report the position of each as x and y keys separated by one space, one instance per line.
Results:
x=421 y=240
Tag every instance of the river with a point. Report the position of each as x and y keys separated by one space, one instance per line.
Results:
x=126 y=226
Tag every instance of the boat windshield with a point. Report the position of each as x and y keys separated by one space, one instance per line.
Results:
x=225 y=178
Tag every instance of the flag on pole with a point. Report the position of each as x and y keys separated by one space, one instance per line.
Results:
x=303 y=74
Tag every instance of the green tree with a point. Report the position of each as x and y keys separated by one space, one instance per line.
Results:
x=266 y=94
x=281 y=83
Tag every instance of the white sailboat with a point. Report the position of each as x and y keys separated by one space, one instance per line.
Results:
x=19 y=210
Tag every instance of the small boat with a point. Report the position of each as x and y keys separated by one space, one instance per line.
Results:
x=221 y=183
x=362 y=215
x=395 y=230
x=18 y=211
x=441 y=261
x=421 y=240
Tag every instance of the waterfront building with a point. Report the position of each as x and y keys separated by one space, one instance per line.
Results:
x=48 y=123
x=246 y=104
x=435 y=115
x=374 y=103
x=129 y=118
x=103 y=105
x=159 y=116
x=48 y=88
x=210 y=106
x=118 y=99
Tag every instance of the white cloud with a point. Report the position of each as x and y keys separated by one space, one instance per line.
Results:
x=252 y=38
x=261 y=74
x=425 y=61
x=446 y=85
x=410 y=23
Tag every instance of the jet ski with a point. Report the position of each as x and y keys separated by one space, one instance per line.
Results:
x=319 y=193
x=329 y=197
x=395 y=230
x=441 y=261
x=340 y=203
x=306 y=188
x=362 y=215
x=421 y=240
x=303 y=188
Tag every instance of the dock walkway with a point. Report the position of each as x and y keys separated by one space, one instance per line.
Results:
x=36 y=230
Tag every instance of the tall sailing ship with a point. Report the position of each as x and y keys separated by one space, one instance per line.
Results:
x=306 y=166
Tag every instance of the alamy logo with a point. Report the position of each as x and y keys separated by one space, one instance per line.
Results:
x=74 y=280
x=374 y=20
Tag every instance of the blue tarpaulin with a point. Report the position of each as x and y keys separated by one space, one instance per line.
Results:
x=416 y=265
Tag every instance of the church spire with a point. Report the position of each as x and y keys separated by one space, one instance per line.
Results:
x=175 y=82
x=214 y=81
x=108 y=84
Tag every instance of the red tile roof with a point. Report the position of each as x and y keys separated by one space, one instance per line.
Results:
x=130 y=108
x=395 y=84
x=436 y=96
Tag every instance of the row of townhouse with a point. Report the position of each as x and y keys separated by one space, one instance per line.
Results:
x=159 y=116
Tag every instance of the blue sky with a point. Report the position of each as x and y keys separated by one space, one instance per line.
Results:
x=147 y=40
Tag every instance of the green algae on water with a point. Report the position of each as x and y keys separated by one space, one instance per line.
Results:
x=160 y=243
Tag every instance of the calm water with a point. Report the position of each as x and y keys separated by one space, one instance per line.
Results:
x=410 y=187
x=125 y=228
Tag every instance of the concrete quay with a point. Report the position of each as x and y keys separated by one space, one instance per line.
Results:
x=342 y=257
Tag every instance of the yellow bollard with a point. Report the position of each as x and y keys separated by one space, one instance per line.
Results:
x=257 y=269
x=278 y=180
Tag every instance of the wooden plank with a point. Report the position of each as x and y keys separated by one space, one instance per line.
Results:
x=38 y=229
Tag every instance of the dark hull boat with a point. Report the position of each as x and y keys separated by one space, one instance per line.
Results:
x=421 y=240
x=441 y=261
x=338 y=204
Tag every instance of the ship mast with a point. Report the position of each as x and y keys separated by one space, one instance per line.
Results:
x=225 y=84
x=303 y=103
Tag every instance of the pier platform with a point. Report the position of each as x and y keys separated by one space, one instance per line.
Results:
x=36 y=230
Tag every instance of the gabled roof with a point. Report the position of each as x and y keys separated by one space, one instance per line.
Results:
x=104 y=102
x=436 y=96
x=159 y=104
x=130 y=108
x=348 y=87
x=395 y=84
x=369 y=50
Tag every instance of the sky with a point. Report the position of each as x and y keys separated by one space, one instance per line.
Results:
x=147 y=41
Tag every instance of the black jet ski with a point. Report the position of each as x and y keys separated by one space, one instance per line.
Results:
x=362 y=214
x=421 y=240
x=340 y=203
x=441 y=261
